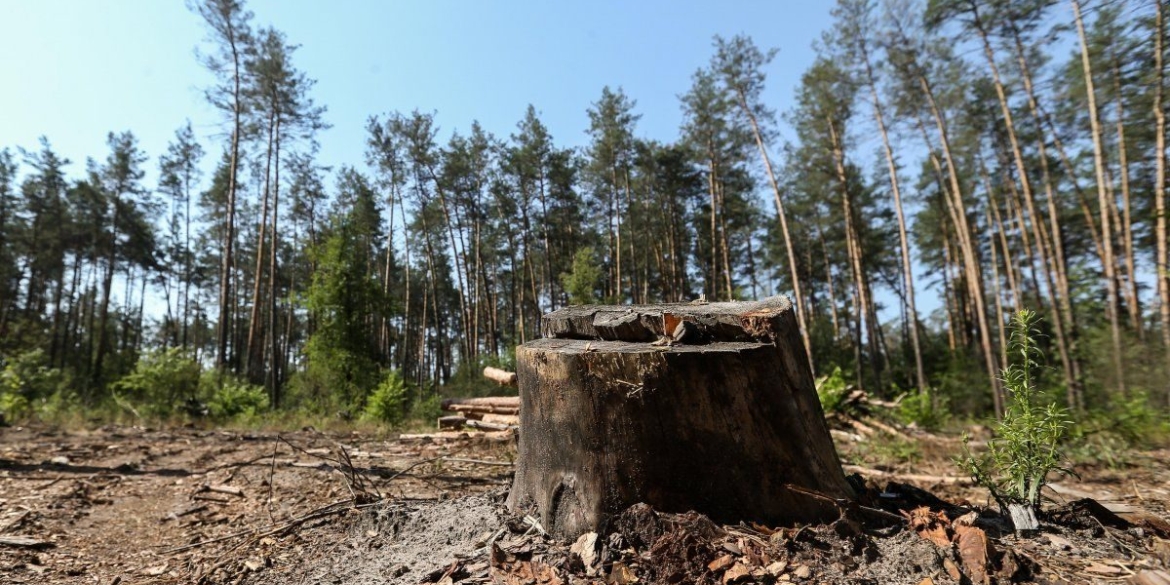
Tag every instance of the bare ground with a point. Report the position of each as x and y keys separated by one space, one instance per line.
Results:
x=136 y=505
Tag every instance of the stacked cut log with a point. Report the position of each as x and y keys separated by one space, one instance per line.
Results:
x=494 y=413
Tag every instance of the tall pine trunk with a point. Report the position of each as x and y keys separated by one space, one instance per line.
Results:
x=226 y=303
x=1162 y=261
x=1107 y=259
x=802 y=316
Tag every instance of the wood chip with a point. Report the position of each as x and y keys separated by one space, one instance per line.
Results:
x=586 y=548
x=777 y=568
x=973 y=550
x=738 y=573
x=223 y=489
x=721 y=563
x=932 y=526
x=1148 y=577
x=154 y=571
x=1100 y=569
x=1059 y=542
x=952 y=569
x=620 y=574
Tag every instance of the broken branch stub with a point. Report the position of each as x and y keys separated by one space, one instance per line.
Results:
x=618 y=407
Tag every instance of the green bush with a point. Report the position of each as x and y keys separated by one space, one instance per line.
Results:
x=233 y=398
x=831 y=390
x=26 y=380
x=160 y=382
x=1026 y=447
x=333 y=379
x=387 y=403
x=427 y=408
x=924 y=408
x=1108 y=436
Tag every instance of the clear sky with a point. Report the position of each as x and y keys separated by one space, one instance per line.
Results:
x=73 y=70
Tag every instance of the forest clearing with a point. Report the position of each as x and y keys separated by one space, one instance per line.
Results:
x=119 y=504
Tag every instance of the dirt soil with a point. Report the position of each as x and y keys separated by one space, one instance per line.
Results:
x=136 y=505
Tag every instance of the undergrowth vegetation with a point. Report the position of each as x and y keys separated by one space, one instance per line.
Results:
x=170 y=386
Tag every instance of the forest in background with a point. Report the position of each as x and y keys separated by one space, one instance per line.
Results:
x=971 y=156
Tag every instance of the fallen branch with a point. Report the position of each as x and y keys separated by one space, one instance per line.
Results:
x=25 y=542
x=932 y=479
x=441 y=436
x=477 y=461
x=844 y=504
x=487 y=426
x=222 y=489
x=323 y=511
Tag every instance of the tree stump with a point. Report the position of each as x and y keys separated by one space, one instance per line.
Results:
x=706 y=407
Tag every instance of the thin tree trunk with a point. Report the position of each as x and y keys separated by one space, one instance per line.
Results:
x=1029 y=199
x=251 y=359
x=274 y=368
x=456 y=253
x=107 y=284
x=1075 y=398
x=725 y=243
x=1161 y=259
x=970 y=258
x=970 y=262
x=999 y=314
x=713 y=279
x=1133 y=301
x=187 y=278
x=1106 y=231
x=225 y=277
x=829 y=281
x=903 y=241
x=853 y=247
x=801 y=311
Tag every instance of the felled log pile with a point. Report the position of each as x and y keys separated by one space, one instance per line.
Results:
x=494 y=413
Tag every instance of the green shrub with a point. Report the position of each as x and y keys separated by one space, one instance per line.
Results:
x=160 y=382
x=831 y=390
x=231 y=398
x=427 y=408
x=1026 y=447
x=25 y=381
x=1108 y=436
x=387 y=403
x=924 y=408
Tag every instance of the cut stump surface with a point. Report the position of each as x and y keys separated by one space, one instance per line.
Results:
x=705 y=407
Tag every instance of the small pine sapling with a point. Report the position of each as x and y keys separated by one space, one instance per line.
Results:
x=1026 y=447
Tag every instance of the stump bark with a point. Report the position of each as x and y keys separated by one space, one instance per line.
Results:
x=706 y=407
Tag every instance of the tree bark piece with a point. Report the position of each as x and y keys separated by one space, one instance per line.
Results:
x=720 y=425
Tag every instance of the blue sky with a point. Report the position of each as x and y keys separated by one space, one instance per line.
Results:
x=74 y=70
